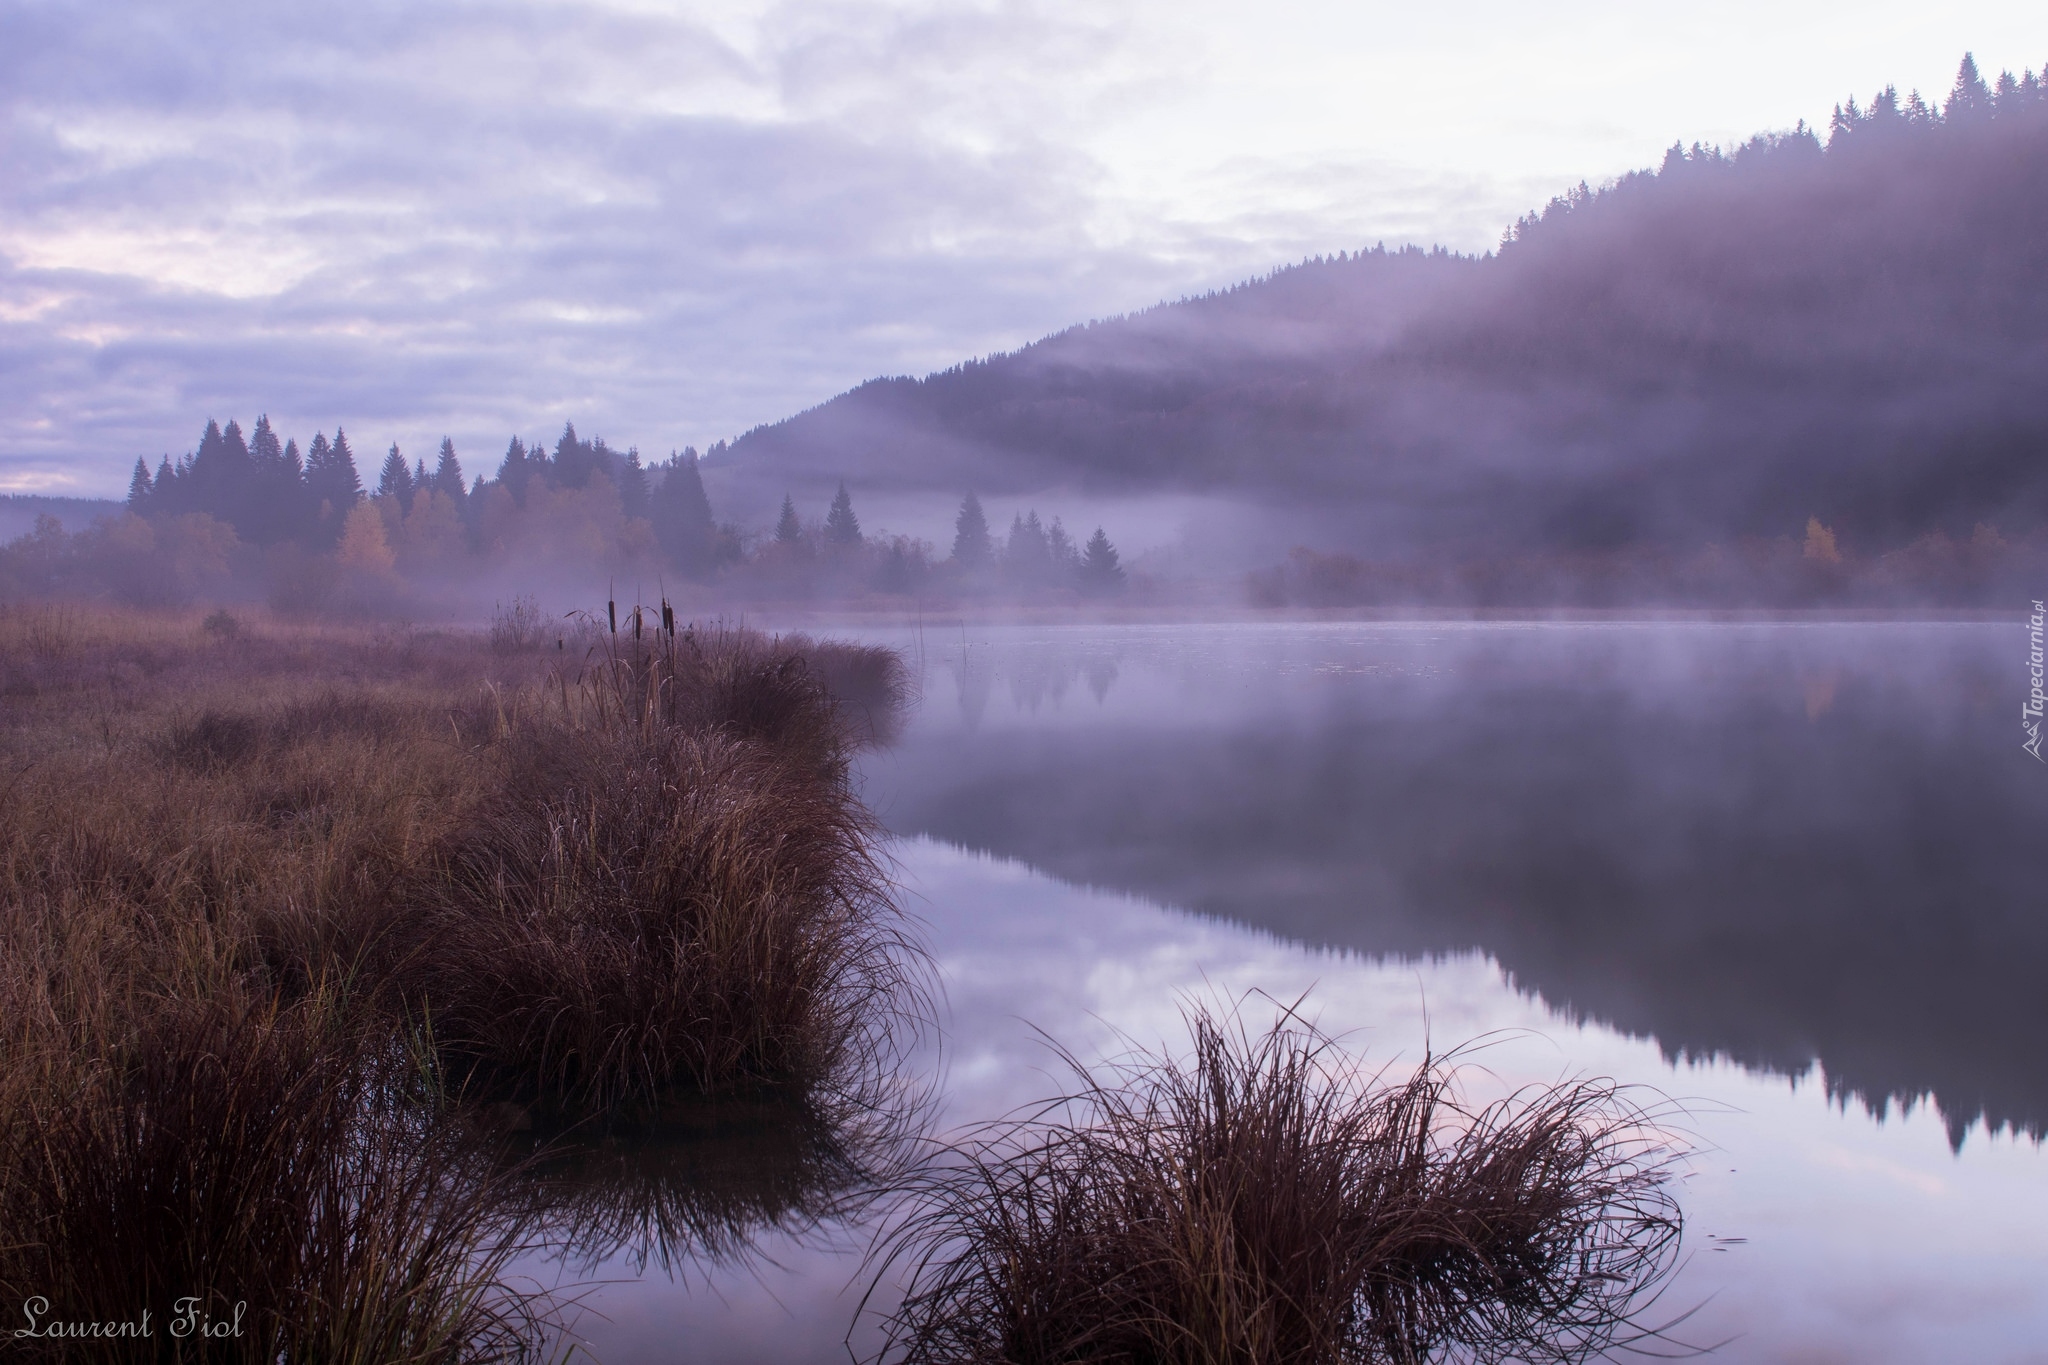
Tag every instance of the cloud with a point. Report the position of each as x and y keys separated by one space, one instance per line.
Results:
x=667 y=222
x=482 y=218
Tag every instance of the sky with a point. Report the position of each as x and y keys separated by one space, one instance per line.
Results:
x=669 y=223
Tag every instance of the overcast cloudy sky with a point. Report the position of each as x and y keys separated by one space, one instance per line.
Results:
x=671 y=222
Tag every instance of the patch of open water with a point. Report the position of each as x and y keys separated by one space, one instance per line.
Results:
x=1790 y=875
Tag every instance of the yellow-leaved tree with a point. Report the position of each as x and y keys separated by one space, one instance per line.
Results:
x=363 y=546
x=433 y=535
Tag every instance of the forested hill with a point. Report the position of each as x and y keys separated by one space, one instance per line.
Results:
x=1851 y=325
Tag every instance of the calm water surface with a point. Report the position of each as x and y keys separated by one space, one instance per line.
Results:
x=1794 y=876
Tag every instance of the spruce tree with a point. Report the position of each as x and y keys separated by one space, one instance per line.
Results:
x=574 y=459
x=301 y=515
x=332 y=483
x=516 y=471
x=448 y=473
x=842 y=527
x=232 y=494
x=200 y=481
x=344 y=484
x=971 y=546
x=269 y=511
x=1971 y=96
x=395 y=481
x=139 y=488
x=265 y=453
x=1059 y=547
x=165 y=497
x=1027 y=557
x=633 y=487
x=1100 y=572
x=788 y=530
x=681 y=516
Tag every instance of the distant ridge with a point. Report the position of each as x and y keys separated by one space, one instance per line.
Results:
x=1852 y=326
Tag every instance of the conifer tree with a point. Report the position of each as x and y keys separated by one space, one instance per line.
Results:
x=272 y=506
x=139 y=487
x=788 y=530
x=842 y=527
x=332 y=483
x=231 y=491
x=971 y=545
x=1100 y=572
x=448 y=473
x=515 y=471
x=203 y=476
x=1028 y=557
x=264 y=451
x=1971 y=96
x=347 y=482
x=300 y=514
x=574 y=460
x=332 y=487
x=633 y=487
x=681 y=516
x=1059 y=547
x=395 y=481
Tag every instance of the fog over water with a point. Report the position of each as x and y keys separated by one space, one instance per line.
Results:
x=1785 y=874
x=1778 y=843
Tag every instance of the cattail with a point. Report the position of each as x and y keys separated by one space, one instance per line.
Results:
x=611 y=611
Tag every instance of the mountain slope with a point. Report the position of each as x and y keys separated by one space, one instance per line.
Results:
x=1721 y=347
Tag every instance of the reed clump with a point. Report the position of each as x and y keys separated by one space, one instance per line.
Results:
x=1266 y=1201
x=670 y=885
x=265 y=1168
x=276 y=915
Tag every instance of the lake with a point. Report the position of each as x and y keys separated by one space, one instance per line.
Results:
x=1790 y=876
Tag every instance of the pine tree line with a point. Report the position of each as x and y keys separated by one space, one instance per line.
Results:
x=270 y=494
x=1035 y=556
x=1035 y=561
x=1971 y=103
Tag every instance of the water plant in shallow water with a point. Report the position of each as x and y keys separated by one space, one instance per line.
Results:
x=670 y=887
x=1268 y=1200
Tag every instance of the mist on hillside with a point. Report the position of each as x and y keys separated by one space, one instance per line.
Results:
x=1844 y=325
